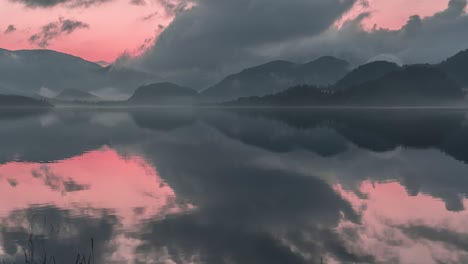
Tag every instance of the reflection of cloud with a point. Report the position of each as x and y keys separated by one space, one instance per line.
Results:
x=249 y=195
x=399 y=228
x=101 y=179
x=246 y=213
x=58 y=233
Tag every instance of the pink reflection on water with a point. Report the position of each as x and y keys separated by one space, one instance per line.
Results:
x=128 y=186
x=388 y=216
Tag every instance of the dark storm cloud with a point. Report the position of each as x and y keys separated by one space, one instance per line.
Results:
x=216 y=37
x=52 y=3
x=10 y=29
x=174 y=7
x=445 y=31
x=56 y=29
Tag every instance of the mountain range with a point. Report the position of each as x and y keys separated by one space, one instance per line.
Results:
x=164 y=93
x=46 y=72
x=326 y=81
x=413 y=85
x=77 y=95
x=277 y=76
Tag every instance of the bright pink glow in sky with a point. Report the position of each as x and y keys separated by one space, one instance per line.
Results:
x=394 y=14
x=117 y=26
x=386 y=209
x=114 y=27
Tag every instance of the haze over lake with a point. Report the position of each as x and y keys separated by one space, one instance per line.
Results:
x=187 y=185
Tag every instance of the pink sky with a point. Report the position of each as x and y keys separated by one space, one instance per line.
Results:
x=117 y=26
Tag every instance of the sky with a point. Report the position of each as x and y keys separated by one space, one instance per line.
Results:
x=119 y=26
x=197 y=42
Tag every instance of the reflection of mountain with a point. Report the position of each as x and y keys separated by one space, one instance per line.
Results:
x=276 y=136
x=376 y=130
x=277 y=76
x=163 y=118
x=57 y=135
x=417 y=85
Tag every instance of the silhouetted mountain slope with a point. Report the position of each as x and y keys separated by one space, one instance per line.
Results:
x=417 y=85
x=27 y=71
x=412 y=86
x=365 y=73
x=456 y=67
x=21 y=101
x=76 y=95
x=277 y=76
x=163 y=94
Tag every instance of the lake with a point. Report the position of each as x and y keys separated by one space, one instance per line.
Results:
x=174 y=185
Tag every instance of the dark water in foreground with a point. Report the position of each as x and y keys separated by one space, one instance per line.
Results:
x=226 y=186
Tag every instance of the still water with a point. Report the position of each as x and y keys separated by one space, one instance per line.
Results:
x=234 y=186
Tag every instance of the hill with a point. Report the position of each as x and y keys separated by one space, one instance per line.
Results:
x=456 y=67
x=163 y=94
x=26 y=72
x=276 y=76
x=365 y=73
x=77 y=95
x=18 y=101
x=416 y=85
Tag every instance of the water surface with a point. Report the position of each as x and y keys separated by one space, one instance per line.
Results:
x=234 y=186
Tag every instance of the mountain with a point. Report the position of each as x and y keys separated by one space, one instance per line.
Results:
x=27 y=71
x=164 y=93
x=277 y=76
x=9 y=101
x=456 y=67
x=416 y=85
x=77 y=95
x=365 y=73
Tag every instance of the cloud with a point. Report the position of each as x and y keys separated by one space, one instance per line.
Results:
x=10 y=29
x=54 y=30
x=138 y=2
x=150 y=16
x=53 y=3
x=214 y=38
x=175 y=7
x=445 y=31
